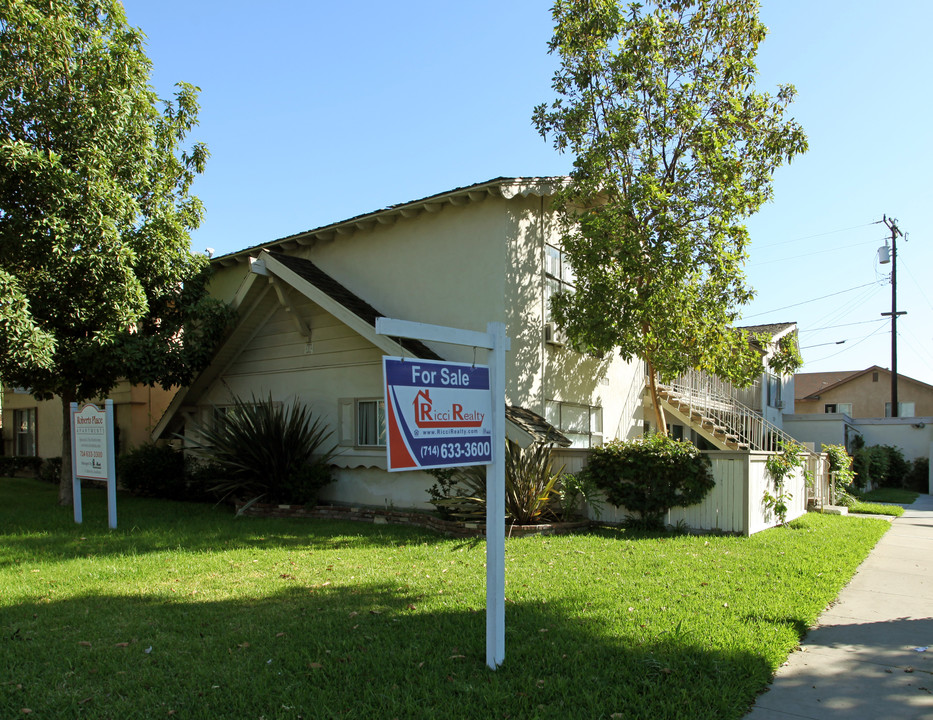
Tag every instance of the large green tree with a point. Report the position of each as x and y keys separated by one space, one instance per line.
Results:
x=96 y=271
x=673 y=149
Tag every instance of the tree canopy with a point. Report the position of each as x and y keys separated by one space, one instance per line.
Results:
x=98 y=279
x=673 y=149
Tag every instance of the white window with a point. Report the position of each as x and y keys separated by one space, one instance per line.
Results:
x=371 y=423
x=904 y=409
x=582 y=424
x=559 y=276
x=24 y=432
x=845 y=408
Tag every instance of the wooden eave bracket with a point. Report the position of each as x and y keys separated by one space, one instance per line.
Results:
x=303 y=328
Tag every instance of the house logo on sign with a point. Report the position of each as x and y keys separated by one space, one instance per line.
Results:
x=426 y=417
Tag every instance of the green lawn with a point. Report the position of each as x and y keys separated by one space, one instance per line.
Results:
x=187 y=612
x=868 y=508
x=890 y=495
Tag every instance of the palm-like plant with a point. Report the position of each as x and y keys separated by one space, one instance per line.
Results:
x=529 y=482
x=269 y=451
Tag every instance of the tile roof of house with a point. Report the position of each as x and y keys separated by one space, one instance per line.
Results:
x=806 y=384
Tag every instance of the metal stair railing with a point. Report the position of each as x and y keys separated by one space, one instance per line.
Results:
x=714 y=400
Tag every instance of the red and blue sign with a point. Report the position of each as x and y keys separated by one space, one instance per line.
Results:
x=438 y=414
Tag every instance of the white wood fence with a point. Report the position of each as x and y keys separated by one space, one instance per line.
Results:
x=736 y=503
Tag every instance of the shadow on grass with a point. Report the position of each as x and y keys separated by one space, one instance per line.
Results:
x=33 y=524
x=361 y=651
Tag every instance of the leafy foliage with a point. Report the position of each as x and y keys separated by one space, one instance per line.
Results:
x=651 y=475
x=780 y=466
x=529 y=482
x=573 y=491
x=673 y=148
x=533 y=490
x=276 y=452
x=840 y=463
x=10 y=465
x=51 y=470
x=883 y=465
x=918 y=478
x=96 y=271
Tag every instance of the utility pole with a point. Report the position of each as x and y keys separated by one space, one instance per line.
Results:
x=895 y=232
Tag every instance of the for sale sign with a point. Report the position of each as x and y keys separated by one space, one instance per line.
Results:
x=438 y=414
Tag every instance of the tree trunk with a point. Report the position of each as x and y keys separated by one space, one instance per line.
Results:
x=659 y=418
x=65 y=489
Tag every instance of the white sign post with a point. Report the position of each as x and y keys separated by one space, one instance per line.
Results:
x=495 y=340
x=93 y=454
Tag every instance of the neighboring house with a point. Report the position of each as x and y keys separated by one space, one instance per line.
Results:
x=861 y=394
x=833 y=408
x=34 y=427
x=490 y=252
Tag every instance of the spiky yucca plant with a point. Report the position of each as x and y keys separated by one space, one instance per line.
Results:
x=269 y=451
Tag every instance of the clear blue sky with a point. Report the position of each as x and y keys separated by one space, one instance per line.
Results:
x=316 y=112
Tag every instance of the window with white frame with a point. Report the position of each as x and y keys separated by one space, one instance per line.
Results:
x=904 y=409
x=24 y=432
x=581 y=424
x=371 y=423
x=559 y=276
x=845 y=408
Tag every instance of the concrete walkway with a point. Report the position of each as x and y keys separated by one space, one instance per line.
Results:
x=862 y=661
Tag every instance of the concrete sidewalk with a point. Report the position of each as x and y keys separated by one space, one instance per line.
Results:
x=862 y=661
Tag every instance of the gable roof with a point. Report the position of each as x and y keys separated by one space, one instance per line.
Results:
x=775 y=330
x=809 y=386
x=319 y=287
x=311 y=273
x=505 y=187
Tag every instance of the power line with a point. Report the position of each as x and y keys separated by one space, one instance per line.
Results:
x=805 y=302
x=816 y=252
x=838 y=314
x=833 y=327
x=830 y=232
x=852 y=346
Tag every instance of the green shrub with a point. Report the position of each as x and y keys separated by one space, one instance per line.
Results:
x=10 y=465
x=882 y=465
x=918 y=477
x=529 y=483
x=268 y=451
x=573 y=491
x=153 y=471
x=780 y=466
x=650 y=475
x=459 y=493
x=861 y=467
x=534 y=491
x=840 y=464
x=51 y=470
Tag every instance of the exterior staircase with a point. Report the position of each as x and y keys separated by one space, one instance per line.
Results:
x=711 y=407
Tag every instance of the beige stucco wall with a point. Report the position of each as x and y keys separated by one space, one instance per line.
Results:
x=463 y=266
x=138 y=408
x=868 y=397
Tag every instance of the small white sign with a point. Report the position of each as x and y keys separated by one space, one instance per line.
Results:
x=90 y=443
